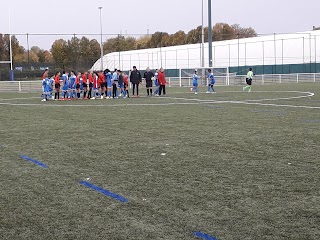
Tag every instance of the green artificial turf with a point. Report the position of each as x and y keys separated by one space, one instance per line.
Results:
x=225 y=164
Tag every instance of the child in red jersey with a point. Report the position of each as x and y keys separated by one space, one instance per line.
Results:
x=78 y=84
x=96 y=85
x=126 y=85
x=102 y=81
x=85 y=85
x=57 y=86
x=90 y=79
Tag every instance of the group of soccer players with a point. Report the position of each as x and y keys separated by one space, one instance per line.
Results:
x=92 y=84
x=95 y=85
x=102 y=84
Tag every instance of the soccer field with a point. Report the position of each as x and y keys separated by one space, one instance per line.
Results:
x=230 y=165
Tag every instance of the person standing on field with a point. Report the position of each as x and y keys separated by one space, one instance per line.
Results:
x=57 y=86
x=250 y=75
x=162 y=82
x=135 y=79
x=148 y=75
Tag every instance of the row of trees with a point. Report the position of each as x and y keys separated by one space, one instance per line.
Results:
x=83 y=52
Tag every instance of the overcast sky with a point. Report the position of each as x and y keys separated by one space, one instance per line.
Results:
x=136 y=16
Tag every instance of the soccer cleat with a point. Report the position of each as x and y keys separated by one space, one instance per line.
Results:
x=108 y=97
x=93 y=98
x=124 y=97
x=207 y=92
x=120 y=95
x=52 y=97
x=196 y=93
x=43 y=100
x=101 y=97
x=214 y=92
x=249 y=90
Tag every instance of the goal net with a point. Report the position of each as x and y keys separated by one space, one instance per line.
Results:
x=221 y=75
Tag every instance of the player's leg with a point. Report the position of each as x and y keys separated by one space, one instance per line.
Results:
x=209 y=86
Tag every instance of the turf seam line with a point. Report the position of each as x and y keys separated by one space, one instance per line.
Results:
x=29 y=159
x=104 y=191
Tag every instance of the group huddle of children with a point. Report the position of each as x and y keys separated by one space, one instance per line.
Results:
x=91 y=84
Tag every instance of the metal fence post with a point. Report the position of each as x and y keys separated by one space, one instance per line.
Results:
x=20 y=86
x=279 y=78
x=180 y=70
x=297 y=77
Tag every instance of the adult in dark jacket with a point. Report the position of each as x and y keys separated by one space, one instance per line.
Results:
x=135 y=79
x=148 y=75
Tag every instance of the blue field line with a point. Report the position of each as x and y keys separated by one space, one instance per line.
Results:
x=312 y=121
x=33 y=161
x=104 y=191
x=204 y=236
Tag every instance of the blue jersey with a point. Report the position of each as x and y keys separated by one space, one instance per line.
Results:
x=211 y=78
x=65 y=82
x=108 y=79
x=72 y=81
x=46 y=85
x=156 y=82
x=51 y=81
x=195 y=80
x=115 y=76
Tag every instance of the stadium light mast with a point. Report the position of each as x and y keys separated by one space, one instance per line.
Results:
x=210 y=33
x=101 y=47
x=202 y=33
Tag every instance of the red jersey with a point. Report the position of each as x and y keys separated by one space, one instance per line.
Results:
x=102 y=78
x=162 y=78
x=125 y=79
x=84 y=78
x=90 y=77
x=57 y=80
x=78 y=80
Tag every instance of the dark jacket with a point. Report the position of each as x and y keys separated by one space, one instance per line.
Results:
x=120 y=81
x=135 y=77
x=148 y=76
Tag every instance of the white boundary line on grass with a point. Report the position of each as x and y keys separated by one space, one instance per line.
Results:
x=197 y=102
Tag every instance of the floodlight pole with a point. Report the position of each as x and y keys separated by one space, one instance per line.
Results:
x=101 y=46
x=202 y=45
x=210 y=33
x=10 y=42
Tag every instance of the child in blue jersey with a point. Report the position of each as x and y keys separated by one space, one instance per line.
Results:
x=50 y=88
x=108 y=75
x=65 y=85
x=195 y=82
x=212 y=81
x=156 y=83
x=72 y=85
x=46 y=89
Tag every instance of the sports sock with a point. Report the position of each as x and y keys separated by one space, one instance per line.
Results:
x=148 y=92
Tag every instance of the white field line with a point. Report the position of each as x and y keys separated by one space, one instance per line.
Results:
x=190 y=100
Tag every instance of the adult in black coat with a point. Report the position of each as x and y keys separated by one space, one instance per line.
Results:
x=135 y=79
x=148 y=75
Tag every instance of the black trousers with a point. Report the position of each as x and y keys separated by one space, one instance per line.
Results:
x=135 y=85
x=162 y=87
x=114 y=90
